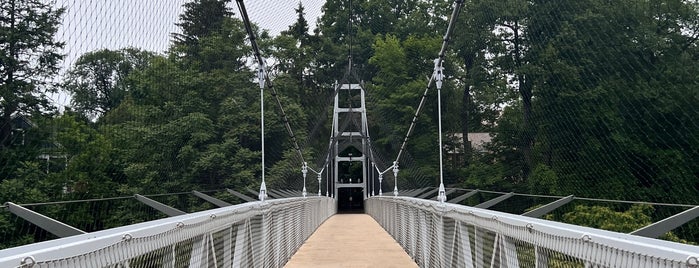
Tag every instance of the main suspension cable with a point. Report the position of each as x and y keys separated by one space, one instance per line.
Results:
x=261 y=63
x=436 y=77
x=440 y=59
x=263 y=77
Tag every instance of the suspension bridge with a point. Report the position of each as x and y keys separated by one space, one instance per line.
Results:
x=350 y=221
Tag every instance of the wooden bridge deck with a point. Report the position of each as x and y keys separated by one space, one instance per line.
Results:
x=351 y=240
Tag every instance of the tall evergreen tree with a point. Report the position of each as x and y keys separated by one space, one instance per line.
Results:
x=200 y=19
x=29 y=56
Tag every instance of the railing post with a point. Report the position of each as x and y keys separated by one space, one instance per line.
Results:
x=319 y=179
x=380 y=180
x=304 y=170
x=395 y=178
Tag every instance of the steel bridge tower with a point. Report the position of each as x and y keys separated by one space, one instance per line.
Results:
x=351 y=170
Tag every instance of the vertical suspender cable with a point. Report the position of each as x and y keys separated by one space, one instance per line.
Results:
x=438 y=62
x=263 y=77
x=270 y=85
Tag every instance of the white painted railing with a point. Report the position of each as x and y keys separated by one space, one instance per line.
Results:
x=254 y=234
x=448 y=235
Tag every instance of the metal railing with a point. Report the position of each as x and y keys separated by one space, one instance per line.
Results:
x=254 y=234
x=446 y=235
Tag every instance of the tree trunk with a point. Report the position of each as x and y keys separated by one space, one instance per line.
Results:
x=466 y=101
x=6 y=121
x=5 y=130
x=525 y=90
x=528 y=130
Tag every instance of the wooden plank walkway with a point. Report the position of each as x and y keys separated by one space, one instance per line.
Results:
x=350 y=240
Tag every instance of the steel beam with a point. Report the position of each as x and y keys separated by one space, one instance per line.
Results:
x=241 y=196
x=428 y=193
x=416 y=192
x=168 y=210
x=411 y=193
x=213 y=200
x=463 y=197
x=255 y=193
x=545 y=209
x=274 y=193
x=406 y=192
x=657 y=229
x=494 y=201
x=50 y=225
x=290 y=193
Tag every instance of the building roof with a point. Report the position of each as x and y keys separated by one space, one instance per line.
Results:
x=478 y=141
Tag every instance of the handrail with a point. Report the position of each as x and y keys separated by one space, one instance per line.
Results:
x=448 y=235
x=273 y=230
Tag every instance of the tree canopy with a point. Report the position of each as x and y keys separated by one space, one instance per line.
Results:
x=579 y=97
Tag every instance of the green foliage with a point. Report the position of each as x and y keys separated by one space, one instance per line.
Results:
x=98 y=80
x=605 y=218
x=29 y=56
x=485 y=176
x=591 y=98
x=543 y=181
x=201 y=19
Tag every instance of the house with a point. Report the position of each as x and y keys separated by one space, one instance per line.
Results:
x=454 y=148
x=51 y=152
x=478 y=142
x=20 y=125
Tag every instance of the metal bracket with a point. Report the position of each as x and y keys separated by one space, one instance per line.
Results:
x=494 y=201
x=211 y=199
x=657 y=229
x=438 y=73
x=50 y=225
x=414 y=192
x=241 y=196
x=261 y=75
x=545 y=209
x=168 y=210
x=463 y=197
x=275 y=194
x=428 y=193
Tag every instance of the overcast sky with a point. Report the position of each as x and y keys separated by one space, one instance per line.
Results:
x=147 y=24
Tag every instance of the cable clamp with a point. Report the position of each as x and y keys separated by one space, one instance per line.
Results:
x=438 y=73
x=261 y=73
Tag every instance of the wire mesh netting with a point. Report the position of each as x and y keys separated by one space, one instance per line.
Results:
x=105 y=99
x=249 y=235
x=440 y=235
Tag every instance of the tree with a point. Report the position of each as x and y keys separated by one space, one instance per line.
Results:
x=98 y=80
x=200 y=19
x=29 y=56
x=612 y=87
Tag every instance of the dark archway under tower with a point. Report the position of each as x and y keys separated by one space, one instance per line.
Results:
x=350 y=200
